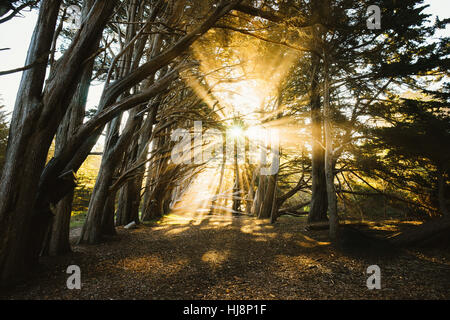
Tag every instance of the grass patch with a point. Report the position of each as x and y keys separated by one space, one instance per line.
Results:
x=78 y=218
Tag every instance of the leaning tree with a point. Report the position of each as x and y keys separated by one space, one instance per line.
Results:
x=30 y=188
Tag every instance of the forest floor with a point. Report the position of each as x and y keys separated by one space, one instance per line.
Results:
x=218 y=257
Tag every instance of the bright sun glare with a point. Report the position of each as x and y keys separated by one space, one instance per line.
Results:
x=236 y=132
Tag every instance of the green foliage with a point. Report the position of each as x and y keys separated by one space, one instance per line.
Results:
x=421 y=133
x=86 y=177
x=403 y=158
x=411 y=148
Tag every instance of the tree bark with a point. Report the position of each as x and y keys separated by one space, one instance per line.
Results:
x=237 y=183
x=329 y=158
x=25 y=156
x=129 y=195
x=267 y=202
x=97 y=216
x=58 y=243
x=270 y=199
x=147 y=207
x=25 y=207
x=319 y=198
x=442 y=184
x=251 y=193
x=259 y=196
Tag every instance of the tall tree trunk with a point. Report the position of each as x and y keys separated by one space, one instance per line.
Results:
x=92 y=231
x=128 y=209
x=154 y=207
x=25 y=158
x=107 y=224
x=319 y=200
x=237 y=184
x=25 y=207
x=159 y=193
x=275 y=208
x=59 y=235
x=251 y=193
x=129 y=200
x=92 y=228
x=262 y=184
x=329 y=158
x=269 y=194
x=130 y=196
x=270 y=197
x=147 y=207
x=442 y=184
x=259 y=196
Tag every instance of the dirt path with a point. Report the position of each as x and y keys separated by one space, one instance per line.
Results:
x=234 y=258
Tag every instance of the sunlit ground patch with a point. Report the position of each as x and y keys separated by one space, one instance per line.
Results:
x=287 y=236
x=152 y=264
x=255 y=225
x=216 y=257
x=387 y=227
x=308 y=242
x=188 y=218
x=292 y=264
x=177 y=231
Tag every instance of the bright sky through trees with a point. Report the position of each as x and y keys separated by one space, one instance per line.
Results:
x=18 y=45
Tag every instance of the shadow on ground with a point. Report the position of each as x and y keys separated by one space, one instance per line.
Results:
x=224 y=257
